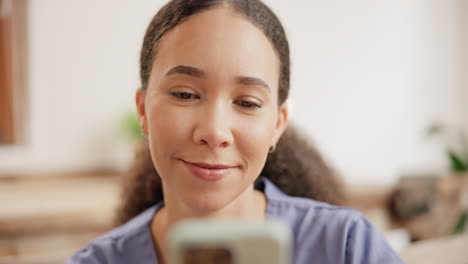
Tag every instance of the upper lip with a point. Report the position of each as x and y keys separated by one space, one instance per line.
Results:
x=210 y=166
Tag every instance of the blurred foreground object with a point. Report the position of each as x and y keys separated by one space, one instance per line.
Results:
x=230 y=242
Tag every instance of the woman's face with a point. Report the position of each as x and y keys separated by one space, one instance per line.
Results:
x=211 y=108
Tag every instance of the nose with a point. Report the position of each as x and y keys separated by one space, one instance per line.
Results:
x=213 y=128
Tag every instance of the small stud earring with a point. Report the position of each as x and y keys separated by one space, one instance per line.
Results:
x=272 y=149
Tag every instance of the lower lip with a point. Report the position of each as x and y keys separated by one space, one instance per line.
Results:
x=208 y=174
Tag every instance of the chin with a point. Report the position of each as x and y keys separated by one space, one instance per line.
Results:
x=206 y=204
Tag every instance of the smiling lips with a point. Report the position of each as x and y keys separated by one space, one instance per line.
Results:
x=209 y=172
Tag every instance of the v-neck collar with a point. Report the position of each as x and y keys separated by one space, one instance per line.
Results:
x=262 y=184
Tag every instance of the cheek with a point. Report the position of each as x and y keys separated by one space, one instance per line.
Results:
x=168 y=131
x=254 y=140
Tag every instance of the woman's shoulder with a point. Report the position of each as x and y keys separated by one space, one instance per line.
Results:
x=280 y=203
x=129 y=241
x=308 y=217
x=328 y=233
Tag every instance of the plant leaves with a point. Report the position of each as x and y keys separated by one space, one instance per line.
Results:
x=456 y=162
x=130 y=126
x=464 y=145
x=461 y=224
x=434 y=129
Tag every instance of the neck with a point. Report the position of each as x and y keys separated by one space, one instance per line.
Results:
x=251 y=204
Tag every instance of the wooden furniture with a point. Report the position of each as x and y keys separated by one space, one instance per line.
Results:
x=12 y=71
x=45 y=219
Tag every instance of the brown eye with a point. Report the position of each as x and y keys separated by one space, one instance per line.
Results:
x=247 y=104
x=185 y=95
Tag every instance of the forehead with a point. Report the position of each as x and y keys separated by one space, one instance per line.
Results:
x=222 y=43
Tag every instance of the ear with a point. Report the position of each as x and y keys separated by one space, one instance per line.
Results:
x=282 y=122
x=140 y=105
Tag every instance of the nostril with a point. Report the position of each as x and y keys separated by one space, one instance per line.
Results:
x=225 y=144
x=213 y=135
x=214 y=143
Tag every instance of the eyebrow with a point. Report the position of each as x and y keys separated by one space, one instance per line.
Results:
x=252 y=81
x=199 y=73
x=187 y=70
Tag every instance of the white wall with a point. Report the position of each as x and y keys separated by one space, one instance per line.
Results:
x=83 y=71
x=367 y=78
x=464 y=14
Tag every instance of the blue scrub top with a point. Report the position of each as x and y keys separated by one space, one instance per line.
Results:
x=322 y=233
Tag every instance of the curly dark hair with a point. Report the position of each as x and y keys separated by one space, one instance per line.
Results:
x=295 y=166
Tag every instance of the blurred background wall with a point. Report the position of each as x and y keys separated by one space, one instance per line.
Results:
x=368 y=78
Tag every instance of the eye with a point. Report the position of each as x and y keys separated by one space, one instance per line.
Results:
x=247 y=104
x=185 y=95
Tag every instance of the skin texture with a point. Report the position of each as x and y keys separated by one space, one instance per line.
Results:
x=221 y=109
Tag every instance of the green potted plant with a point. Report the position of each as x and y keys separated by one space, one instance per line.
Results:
x=130 y=127
x=457 y=156
x=131 y=140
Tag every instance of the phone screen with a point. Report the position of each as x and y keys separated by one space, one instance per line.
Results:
x=207 y=255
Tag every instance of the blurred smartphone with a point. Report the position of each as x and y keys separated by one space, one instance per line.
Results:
x=230 y=242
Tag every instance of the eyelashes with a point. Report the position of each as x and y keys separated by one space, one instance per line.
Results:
x=186 y=96
x=247 y=104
